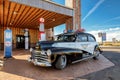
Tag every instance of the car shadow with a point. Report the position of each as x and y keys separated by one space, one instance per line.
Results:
x=27 y=70
x=19 y=66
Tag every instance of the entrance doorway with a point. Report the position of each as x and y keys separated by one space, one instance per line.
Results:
x=20 y=41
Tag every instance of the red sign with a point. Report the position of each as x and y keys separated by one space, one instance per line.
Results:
x=40 y=33
x=41 y=20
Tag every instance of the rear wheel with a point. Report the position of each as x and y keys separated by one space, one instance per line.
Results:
x=96 y=53
x=61 y=62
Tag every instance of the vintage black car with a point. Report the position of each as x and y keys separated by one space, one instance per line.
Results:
x=67 y=48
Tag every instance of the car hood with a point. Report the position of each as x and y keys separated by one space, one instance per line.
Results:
x=58 y=46
x=47 y=44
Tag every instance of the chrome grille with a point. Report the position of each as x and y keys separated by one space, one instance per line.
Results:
x=40 y=57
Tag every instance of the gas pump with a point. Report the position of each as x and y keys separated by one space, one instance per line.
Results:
x=41 y=36
x=26 y=34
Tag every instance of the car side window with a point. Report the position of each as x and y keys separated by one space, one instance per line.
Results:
x=69 y=38
x=91 y=39
x=81 y=38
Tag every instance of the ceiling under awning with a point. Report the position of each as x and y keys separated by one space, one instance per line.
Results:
x=15 y=14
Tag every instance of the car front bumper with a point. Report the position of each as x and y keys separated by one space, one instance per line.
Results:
x=35 y=62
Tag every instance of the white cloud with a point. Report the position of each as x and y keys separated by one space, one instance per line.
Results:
x=114 y=29
x=93 y=9
x=110 y=33
x=106 y=26
x=112 y=19
x=107 y=21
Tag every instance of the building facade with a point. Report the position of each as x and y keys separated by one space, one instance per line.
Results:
x=19 y=15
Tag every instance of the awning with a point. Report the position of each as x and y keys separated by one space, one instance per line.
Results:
x=26 y=13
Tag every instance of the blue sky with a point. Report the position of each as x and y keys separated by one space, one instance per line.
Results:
x=98 y=15
x=60 y=28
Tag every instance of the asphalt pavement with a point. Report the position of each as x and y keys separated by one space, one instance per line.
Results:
x=112 y=73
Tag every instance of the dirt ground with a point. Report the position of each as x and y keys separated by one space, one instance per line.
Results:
x=17 y=68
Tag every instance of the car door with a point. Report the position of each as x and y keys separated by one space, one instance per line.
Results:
x=82 y=43
x=92 y=43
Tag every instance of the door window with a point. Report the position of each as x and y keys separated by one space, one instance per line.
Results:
x=91 y=39
x=81 y=38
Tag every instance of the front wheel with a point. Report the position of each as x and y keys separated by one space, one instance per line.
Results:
x=96 y=53
x=61 y=62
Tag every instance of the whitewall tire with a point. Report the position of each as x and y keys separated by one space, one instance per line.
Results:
x=61 y=62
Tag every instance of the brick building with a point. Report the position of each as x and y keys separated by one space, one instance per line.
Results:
x=19 y=15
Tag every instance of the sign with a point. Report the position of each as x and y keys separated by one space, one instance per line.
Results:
x=103 y=36
x=41 y=27
x=7 y=43
x=41 y=20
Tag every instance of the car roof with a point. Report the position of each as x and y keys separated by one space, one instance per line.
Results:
x=74 y=33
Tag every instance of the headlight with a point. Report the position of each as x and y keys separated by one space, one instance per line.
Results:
x=49 y=52
x=31 y=49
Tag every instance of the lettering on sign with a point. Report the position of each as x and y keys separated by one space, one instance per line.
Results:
x=8 y=35
x=8 y=43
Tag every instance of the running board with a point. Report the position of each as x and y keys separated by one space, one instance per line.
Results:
x=82 y=59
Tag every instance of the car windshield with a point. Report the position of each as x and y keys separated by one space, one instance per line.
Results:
x=66 y=38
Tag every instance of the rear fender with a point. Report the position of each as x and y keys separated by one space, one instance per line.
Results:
x=98 y=49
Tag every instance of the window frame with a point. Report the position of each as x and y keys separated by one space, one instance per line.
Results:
x=78 y=40
x=92 y=37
